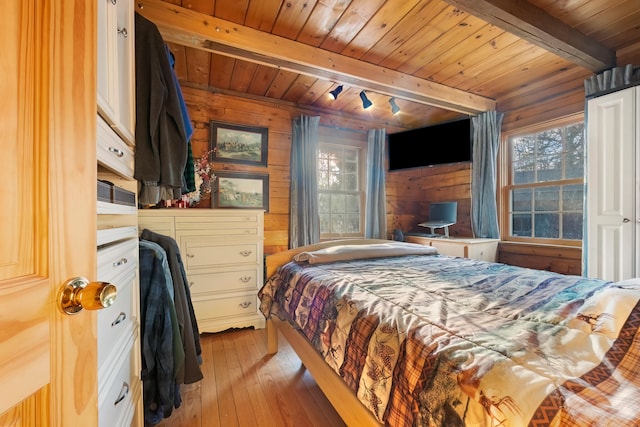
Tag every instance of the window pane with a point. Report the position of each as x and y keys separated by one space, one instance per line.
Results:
x=325 y=223
x=547 y=225
x=335 y=181
x=550 y=168
x=338 y=203
x=521 y=200
x=547 y=199
x=572 y=197
x=351 y=182
x=524 y=172
x=324 y=203
x=572 y=226
x=323 y=180
x=353 y=204
x=337 y=224
x=353 y=223
x=521 y=225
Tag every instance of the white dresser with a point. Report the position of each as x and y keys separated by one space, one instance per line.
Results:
x=464 y=247
x=222 y=251
x=119 y=360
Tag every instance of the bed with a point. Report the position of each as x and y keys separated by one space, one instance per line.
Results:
x=395 y=334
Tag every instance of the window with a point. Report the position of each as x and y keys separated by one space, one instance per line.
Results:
x=543 y=193
x=340 y=188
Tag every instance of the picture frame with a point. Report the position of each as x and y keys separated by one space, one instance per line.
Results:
x=240 y=190
x=235 y=143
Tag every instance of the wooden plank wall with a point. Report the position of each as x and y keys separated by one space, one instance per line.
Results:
x=408 y=192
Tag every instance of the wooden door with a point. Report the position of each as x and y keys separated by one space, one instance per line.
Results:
x=48 y=227
x=610 y=197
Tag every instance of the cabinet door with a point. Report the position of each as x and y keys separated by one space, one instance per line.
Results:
x=116 y=72
x=610 y=207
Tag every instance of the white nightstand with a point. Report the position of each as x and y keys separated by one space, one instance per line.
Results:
x=466 y=247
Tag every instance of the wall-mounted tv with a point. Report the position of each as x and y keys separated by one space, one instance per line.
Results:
x=444 y=143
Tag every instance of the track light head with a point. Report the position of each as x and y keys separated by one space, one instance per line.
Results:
x=334 y=93
x=394 y=107
x=365 y=101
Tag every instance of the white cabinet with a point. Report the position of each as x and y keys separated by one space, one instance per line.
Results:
x=222 y=251
x=116 y=66
x=119 y=360
x=612 y=211
x=482 y=249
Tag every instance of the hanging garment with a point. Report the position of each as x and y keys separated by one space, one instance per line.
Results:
x=184 y=308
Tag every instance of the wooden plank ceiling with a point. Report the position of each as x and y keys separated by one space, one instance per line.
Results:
x=440 y=60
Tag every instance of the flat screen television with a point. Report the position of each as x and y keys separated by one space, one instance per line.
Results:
x=444 y=143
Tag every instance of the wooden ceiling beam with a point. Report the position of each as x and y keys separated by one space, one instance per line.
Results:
x=536 y=26
x=189 y=28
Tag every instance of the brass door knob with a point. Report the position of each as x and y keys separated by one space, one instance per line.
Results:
x=78 y=293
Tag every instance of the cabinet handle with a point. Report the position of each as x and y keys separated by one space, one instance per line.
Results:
x=190 y=255
x=113 y=2
x=245 y=253
x=121 y=318
x=123 y=31
x=626 y=220
x=245 y=304
x=116 y=151
x=245 y=279
x=123 y=393
x=121 y=261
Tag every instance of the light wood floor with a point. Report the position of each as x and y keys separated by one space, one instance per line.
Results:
x=243 y=386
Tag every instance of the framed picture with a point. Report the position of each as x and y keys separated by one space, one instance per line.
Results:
x=242 y=190
x=238 y=144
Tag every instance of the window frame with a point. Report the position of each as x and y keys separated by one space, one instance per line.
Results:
x=331 y=137
x=505 y=181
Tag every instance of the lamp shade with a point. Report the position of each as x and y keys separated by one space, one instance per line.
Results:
x=334 y=93
x=365 y=101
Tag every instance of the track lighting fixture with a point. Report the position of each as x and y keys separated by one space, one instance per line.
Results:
x=334 y=93
x=365 y=101
x=394 y=107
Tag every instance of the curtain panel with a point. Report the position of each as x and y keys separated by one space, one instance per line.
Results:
x=376 y=204
x=486 y=140
x=304 y=219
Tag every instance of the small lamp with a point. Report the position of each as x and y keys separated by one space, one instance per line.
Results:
x=365 y=101
x=334 y=93
x=394 y=107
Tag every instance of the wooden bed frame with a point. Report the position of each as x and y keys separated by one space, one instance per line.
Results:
x=343 y=399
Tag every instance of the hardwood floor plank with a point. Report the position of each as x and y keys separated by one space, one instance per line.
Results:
x=243 y=386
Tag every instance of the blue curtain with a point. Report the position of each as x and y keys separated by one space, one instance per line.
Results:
x=304 y=220
x=376 y=209
x=486 y=140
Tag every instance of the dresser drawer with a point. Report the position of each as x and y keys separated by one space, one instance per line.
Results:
x=115 y=322
x=228 y=279
x=112 y=152
x=199 y=252
x=221 y=225
x=222 y=307
x=117 y=259
x=116 y=402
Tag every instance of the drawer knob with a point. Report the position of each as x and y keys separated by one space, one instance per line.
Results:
x=190 y=255
x=123 y=393
x=118 y=152
x=121 y=261
x=245 y=279
x=245 y=253
x=121 y=318
x=123 y=31
x=78 y=293
x=245 y=304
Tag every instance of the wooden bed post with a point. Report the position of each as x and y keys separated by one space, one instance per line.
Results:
x=272 y=337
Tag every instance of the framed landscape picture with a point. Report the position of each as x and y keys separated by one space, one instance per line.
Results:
x=235 y=143
x=242 y=191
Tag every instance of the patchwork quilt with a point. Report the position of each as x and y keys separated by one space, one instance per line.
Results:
x=431 y=340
